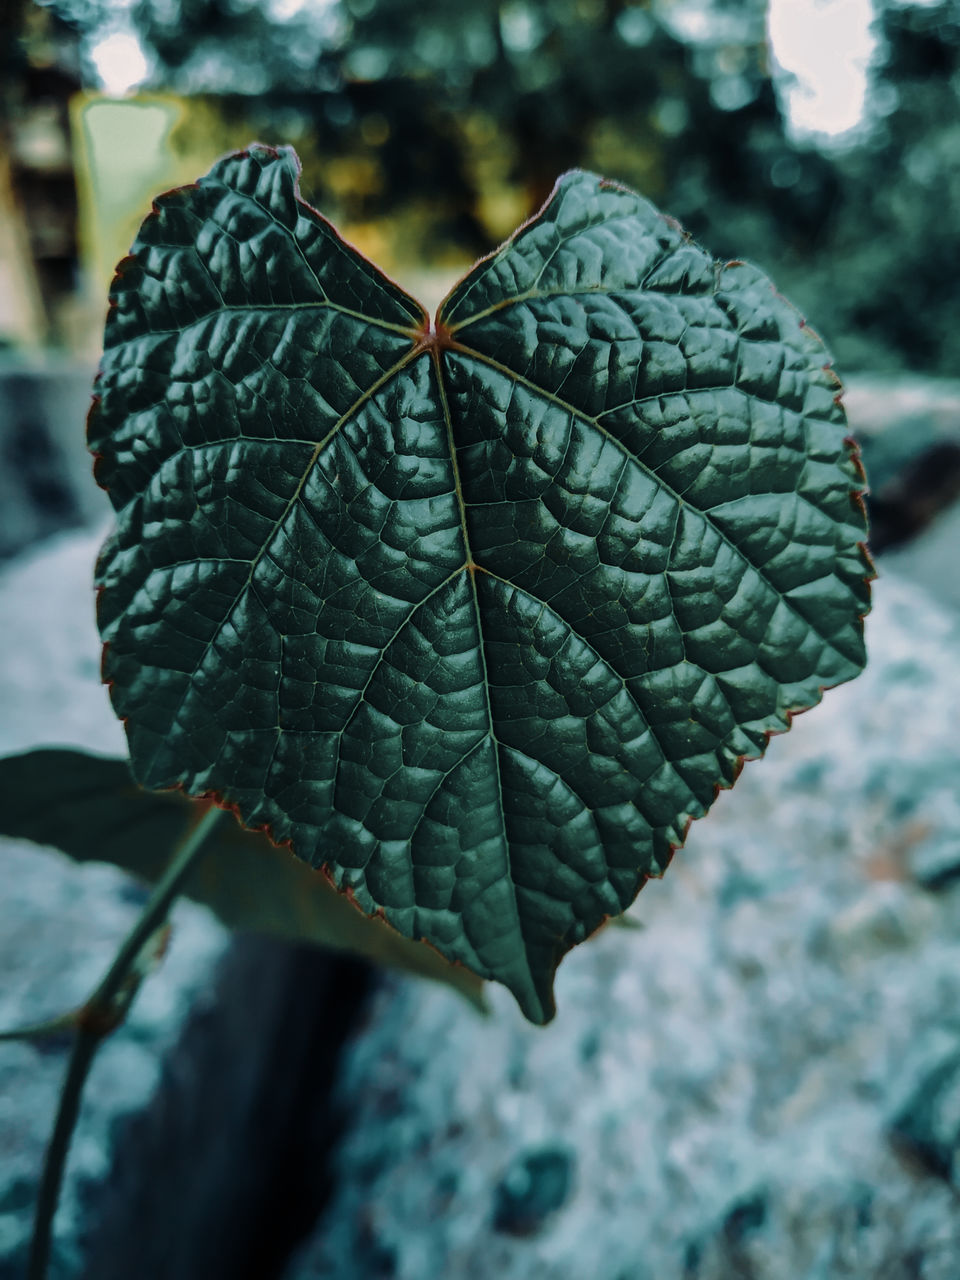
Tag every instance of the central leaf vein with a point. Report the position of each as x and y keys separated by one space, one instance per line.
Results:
x=471 y=571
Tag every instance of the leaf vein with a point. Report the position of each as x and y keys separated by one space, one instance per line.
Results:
x=561 y=403
x=604 y=660
x=533 y=294
x=303 y=207
x=481 y=650
x=277 y=526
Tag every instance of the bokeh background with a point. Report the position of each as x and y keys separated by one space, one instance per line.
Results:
x=819 y=138
x=761 y=1078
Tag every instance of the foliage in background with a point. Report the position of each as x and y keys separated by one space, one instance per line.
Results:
x=449 y=124
x=881 y=277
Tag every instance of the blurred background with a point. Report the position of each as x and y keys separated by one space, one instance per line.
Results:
x=819 y=138
x=761 y=1080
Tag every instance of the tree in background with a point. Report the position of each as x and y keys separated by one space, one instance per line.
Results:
x=884 y=279
x=453 y=122
x=452 y=105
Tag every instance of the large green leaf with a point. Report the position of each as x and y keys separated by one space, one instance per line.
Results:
x=477 y=614
x=90 y=808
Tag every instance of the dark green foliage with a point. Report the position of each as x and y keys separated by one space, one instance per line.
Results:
x=477 y=614
x=441 y=99
x=90 y=808
x=885 y=279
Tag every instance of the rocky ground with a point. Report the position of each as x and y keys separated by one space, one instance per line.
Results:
x=761 y=1080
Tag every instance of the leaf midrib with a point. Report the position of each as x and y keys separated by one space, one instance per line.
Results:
x=470 y=568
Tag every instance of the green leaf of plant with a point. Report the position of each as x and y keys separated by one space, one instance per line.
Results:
x=479 y=614
x=90 y=808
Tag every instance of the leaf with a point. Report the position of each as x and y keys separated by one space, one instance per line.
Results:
x=476 y=614
x=90 y=808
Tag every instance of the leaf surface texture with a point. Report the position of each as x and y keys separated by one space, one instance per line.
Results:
x=90 y=808
x=477 y=613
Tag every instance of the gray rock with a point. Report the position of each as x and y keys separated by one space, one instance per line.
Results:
x=889 y=409
x=725 y=1081
x=227 y=1166
x=536 y=1184
x=909 y=432
x=45 y=480
x=931 y=558
x=935 y=859
x=926 y=1126
x=61 y=923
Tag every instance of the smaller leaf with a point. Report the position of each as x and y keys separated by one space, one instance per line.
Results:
x=90 y=808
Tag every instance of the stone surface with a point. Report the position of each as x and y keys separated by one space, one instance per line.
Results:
x=50 y=651
x=731 y=1083
x=909 y=434
x=44 y=467
x=931 y=558
x=227 y=1167
x=927 y=1124
x=61 y=923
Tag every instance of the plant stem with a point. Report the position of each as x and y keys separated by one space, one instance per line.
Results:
x=158 y=905
x=84 y=1048
x=101 y=1014
x=64 y=1022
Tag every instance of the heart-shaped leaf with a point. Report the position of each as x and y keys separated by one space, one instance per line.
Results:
x=90 y=808
x=478 y=614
